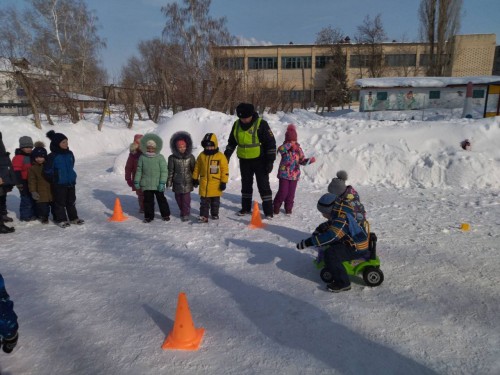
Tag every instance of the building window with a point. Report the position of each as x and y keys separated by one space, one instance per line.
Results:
x=434 y=94
x=299 y=95
x=401 y=60
x=322 y=61
x=478 y=94
x=262 y=63
x=382 y=95
x=425 y=59
x=9 y=84
x=300 y=62
x=360 y=61
x=231 y=63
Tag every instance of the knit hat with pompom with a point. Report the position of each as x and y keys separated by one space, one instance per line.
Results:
x=291 y=133
x=338 y=186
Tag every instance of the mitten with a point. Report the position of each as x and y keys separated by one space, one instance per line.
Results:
x=196 y=183
x=161 y=187
x=137 y=185
x=35 y=195
x=222 y=186
x=312 y=160
x=304 y=243
x=269 y=167
x=9 y=344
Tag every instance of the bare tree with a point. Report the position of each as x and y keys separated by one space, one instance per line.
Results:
x=439 y=22
x=195 y=33
x=370 y=36
x=337 y=92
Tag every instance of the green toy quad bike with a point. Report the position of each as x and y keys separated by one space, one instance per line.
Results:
x=372 y=274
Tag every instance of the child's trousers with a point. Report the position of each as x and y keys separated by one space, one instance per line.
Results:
x=149 y=204
x=211 y=204
x=286 y=193
x=184 y=202
x=64 y=207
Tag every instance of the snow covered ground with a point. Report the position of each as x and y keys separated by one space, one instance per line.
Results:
x=101 y=298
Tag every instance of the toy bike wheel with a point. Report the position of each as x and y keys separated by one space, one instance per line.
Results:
x=373 y=276
x=326 y=276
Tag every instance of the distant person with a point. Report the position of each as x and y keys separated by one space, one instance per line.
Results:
x=292 y=157
x=211 y=173
x=256 y=150
x=38 y=185
x=151 y=177
x=22 y=163
x=180 y=170
x=8 y=320
x=59 y=170
x=7 y=183
x=131 y=169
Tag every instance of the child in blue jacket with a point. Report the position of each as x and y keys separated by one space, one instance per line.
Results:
x=8 y=321
x=59 y=171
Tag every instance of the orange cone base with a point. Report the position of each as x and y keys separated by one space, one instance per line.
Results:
x=193 y=344
x=118 y=218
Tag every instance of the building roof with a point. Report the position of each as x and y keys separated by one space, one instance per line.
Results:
x=423 y=81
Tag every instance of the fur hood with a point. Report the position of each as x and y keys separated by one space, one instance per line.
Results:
x=189 y=144
x=152 y=137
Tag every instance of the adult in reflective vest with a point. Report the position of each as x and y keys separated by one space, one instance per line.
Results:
x=254 y=141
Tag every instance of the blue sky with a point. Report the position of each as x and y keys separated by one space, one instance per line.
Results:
x=126 y=22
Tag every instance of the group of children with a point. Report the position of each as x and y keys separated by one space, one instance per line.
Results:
x=46 y=182
x=147 y=173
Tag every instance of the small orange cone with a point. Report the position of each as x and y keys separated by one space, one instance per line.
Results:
x=117 y=212
x=256 y=221
x=183 y=336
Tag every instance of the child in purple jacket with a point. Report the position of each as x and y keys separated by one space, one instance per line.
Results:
x=292 y=157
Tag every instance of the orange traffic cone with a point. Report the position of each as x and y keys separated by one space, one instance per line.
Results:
x=117 y=212
x=184 y=335
x=256 y=221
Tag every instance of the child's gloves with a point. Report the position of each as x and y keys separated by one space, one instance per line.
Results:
x=137 y=185
x=222 y=186
x=35 y=195
x=161 y=187
x=196 y=183
x=312 y=160
x=8 y=345
x=304 y=243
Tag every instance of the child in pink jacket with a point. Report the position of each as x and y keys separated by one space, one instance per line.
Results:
x=292 y=157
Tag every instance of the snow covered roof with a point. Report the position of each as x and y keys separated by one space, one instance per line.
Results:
x=84 y=98
x=423 y=81
x=7 y=66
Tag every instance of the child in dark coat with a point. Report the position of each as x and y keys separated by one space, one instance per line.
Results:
x=131 y=169
x=8 y=320
x=7 y=182
x=22 y=163
x=38 y=185
x=180 y=169
x=292 y=157
x=59 y=170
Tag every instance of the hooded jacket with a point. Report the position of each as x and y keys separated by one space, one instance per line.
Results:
x=181 y=166
x=6 y=170
x=131 y=165
x=211 y=170
x=59 y=166
x=151 y=169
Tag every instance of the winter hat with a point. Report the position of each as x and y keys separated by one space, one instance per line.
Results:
x=325 y=203
x=291 y=133
x=56 y=138
x=151 y=143
x=39 y=151
x=137 y=138
x=25 y=141
x=244 y=110
x=337 y=186
x=180 y=142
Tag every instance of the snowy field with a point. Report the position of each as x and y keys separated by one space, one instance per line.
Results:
x=101 y=298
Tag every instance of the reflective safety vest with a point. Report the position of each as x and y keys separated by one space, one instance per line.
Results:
x=248 y=140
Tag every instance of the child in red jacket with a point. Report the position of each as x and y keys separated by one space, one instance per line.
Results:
x=131 y=169
x=22 y=163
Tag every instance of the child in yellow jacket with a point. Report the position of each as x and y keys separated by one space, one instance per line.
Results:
x=211 y=173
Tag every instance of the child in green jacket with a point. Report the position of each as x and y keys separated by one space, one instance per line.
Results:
x=151 y=177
